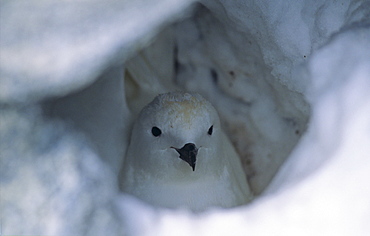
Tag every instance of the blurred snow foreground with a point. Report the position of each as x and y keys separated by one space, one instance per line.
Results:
x=290 y=80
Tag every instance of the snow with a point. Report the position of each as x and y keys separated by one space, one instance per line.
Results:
x=322 y=187
x=290 y=80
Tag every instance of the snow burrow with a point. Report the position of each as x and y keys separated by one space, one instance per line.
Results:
x=290 y=81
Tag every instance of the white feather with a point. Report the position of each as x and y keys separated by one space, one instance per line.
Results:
x=153 y=171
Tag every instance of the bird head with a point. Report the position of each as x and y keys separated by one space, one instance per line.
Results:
x=176 y=130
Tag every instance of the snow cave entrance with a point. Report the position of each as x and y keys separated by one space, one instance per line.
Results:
x=263 y=118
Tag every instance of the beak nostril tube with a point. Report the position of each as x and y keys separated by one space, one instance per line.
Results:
x=189 y=147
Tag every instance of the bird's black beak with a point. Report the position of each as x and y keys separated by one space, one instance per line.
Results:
x=188 y=153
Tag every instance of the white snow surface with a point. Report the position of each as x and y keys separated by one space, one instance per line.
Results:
x=322 y=189
x=293 y=81
x=321 y=49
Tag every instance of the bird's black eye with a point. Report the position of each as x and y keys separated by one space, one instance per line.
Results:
x=156 y=131
x=210 y=130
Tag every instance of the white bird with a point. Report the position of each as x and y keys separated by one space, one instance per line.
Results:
x=179 y=157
